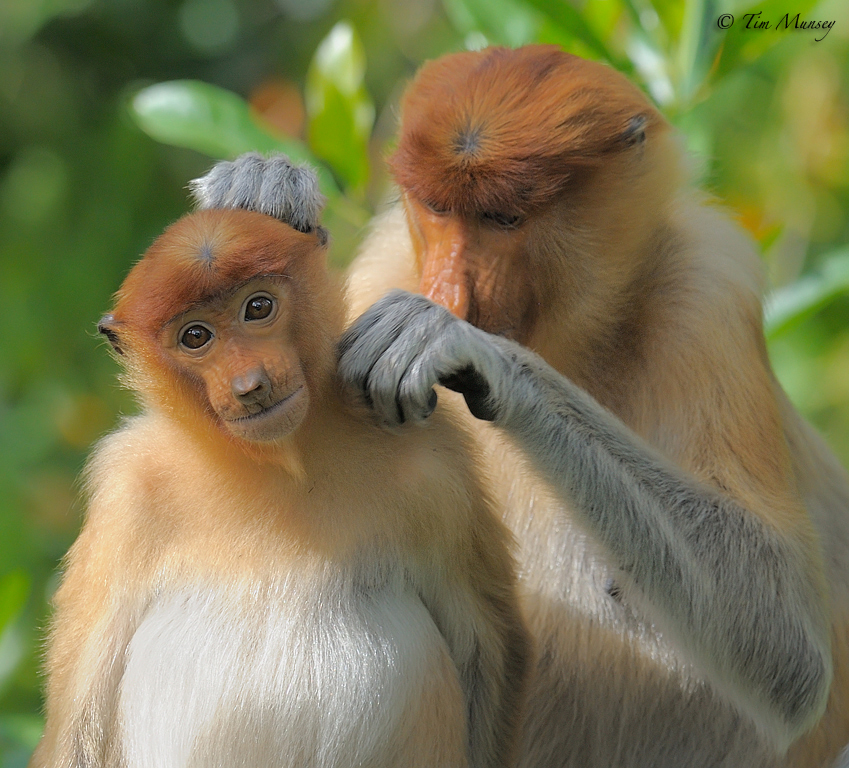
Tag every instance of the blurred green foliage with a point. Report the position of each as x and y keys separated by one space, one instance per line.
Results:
x=109 y=107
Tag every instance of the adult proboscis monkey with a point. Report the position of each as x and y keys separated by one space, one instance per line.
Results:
x=684 y=534
x=265 y=579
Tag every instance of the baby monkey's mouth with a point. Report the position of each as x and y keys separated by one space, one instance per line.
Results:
x=267 y=410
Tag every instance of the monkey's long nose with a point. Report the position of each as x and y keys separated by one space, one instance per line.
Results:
x=440 y=241
x=251 y=387
x=444 y=279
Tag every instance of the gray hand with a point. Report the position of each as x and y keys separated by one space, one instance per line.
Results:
x=404 y=344
x=272 y=186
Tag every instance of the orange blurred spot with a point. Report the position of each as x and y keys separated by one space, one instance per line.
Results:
x=278 y=103
x=81 y=419
x=755 y=220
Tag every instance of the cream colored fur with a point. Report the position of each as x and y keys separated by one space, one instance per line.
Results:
x=623 y=680
x=337 y=597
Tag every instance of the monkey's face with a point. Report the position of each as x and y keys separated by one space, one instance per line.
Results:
x=474 y=265
x=240 y=347
x=491 y=145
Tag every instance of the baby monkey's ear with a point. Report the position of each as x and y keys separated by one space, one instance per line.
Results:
x=271 y=185
x=108 y=326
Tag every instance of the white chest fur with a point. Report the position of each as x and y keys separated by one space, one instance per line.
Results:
x=274 y=675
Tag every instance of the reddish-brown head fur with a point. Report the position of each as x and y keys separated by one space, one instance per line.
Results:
x=207 y=256
x=504 y=130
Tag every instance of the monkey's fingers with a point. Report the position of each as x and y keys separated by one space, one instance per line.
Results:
x=458 y=357
x=403 y=345
x=401 y=383
x=230 y=184
x=272 y=186
x=384 y=357
x=363 y=346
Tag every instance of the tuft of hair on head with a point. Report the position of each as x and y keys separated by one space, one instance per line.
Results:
x=512 y=128
x=272 y=186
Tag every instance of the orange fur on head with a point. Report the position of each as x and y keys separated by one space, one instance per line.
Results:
x=505 y=130
x=206 y=256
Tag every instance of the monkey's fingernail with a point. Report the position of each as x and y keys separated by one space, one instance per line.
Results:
x=431 y=402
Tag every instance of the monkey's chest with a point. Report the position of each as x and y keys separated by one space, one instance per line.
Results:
x=277 y=675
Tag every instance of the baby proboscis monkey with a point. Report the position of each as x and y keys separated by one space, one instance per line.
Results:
x=264 y=578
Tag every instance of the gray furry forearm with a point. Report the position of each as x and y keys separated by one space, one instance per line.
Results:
x=734 y=587
x=736 y=592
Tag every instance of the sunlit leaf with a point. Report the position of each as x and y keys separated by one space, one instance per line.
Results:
x=340 y=111
x=698 y=47
x=653 y=67
x=794 y=303
x=14 y=592
x=603 y=17
x=503 y=22
x=203 y=117
x=572 y=22
x=671 y=16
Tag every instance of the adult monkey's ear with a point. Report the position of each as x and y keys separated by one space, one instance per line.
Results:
x=272 y=185
x=107 y=326
x=635 y=133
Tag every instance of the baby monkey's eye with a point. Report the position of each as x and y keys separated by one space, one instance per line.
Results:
x=258 y=307
x=195 y=336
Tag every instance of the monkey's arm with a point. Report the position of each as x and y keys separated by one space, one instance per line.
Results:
x=95 y=615
x=85 y=663
x=744 y=597
x=481 y=622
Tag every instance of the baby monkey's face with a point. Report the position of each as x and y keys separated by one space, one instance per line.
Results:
x=239 y=345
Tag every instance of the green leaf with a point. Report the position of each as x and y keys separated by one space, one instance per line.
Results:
x=22 y=729
x=504 y=22
x=790 y=305
x=199 y=116
x=14 y=591
x=670 y=14
x=652 y=66
x=21 y=20
x=698 y=47
x=340 y=111
x=19 y=735
x=208 y=119
x=570 y=20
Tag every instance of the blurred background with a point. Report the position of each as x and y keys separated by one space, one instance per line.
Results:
x=109 y=107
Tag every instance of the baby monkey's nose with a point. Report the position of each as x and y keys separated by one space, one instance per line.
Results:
x=251 y=386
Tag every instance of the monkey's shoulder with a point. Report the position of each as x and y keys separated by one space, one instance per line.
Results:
x=417 y=489
x=438 y=456
x=121 y=469
x=416 y=494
